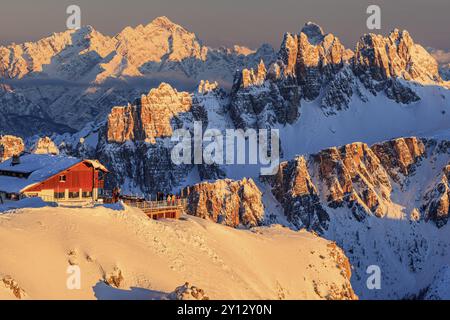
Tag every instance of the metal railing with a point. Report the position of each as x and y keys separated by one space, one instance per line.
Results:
x=176 y=203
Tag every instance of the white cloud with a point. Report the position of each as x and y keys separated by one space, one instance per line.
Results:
x=442 y=57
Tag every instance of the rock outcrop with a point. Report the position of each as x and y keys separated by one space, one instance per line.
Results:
x=398 y=156
x=295 y=190
x=9 y=146
x=313 y=57
x=444 y=71
x=387 y=203
x=205 y=86
x=306 y=63
x=11 y=284
x=355 y=177
x=188 y=292
x=45 y=145
x=227 y=202
x=114 y=278
x=346 y=291
x=136 y=142
x=395 y=56
x=150 y=117
x=437 y=200
x=256 y=103
x=314 y=64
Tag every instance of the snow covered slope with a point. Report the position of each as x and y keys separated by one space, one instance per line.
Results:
x=146 y=259
x=385 y=205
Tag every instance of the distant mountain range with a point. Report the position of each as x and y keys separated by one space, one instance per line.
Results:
x=62 y=82
x=68 y=79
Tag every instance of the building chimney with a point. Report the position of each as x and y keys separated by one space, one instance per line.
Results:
x=15 y=160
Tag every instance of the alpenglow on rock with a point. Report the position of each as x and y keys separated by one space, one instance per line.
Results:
x=45 y=145
x=313 y=64
x=136 y=143
x=76 y=76
x=361 y=179
x=10 y=146
x=227 y=202
x=313 y=57
x=395 y=56
x=437 y=200
x=386 y=203
x=149 y=117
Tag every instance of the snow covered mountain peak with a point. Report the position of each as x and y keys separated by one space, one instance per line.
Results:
x=163 y=22
x=160 y=39
x=311 y=65
x=72 y=78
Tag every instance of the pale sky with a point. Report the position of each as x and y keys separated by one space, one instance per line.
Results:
x=227 y=22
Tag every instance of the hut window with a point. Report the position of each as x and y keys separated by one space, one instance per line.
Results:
x=74 y=195
x=62 y=178
x=59 y=195
x=87 y=194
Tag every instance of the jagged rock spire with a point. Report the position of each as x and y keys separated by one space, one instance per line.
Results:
x=395 y=56
x=149 y=117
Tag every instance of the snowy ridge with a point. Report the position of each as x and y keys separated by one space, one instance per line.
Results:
x=74 y=77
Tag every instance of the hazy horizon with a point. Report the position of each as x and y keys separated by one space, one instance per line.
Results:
x=244 y=22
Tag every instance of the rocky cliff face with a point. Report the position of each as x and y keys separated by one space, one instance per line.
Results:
x=395 y=56
x=306 y=63
x=21 y=116
x=9 y=146
x=135 y=143
x=444 y=71
x=295 y=190
x=437 y=200
x=205 y=86
x=75 y=53
x=314 y=65
x=150 y=117
x=356 y=177
x=385 y=205
x=227 y=202
x=313 y=57
x=265 y=105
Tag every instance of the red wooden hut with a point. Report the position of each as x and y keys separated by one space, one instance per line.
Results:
x=52 y=177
